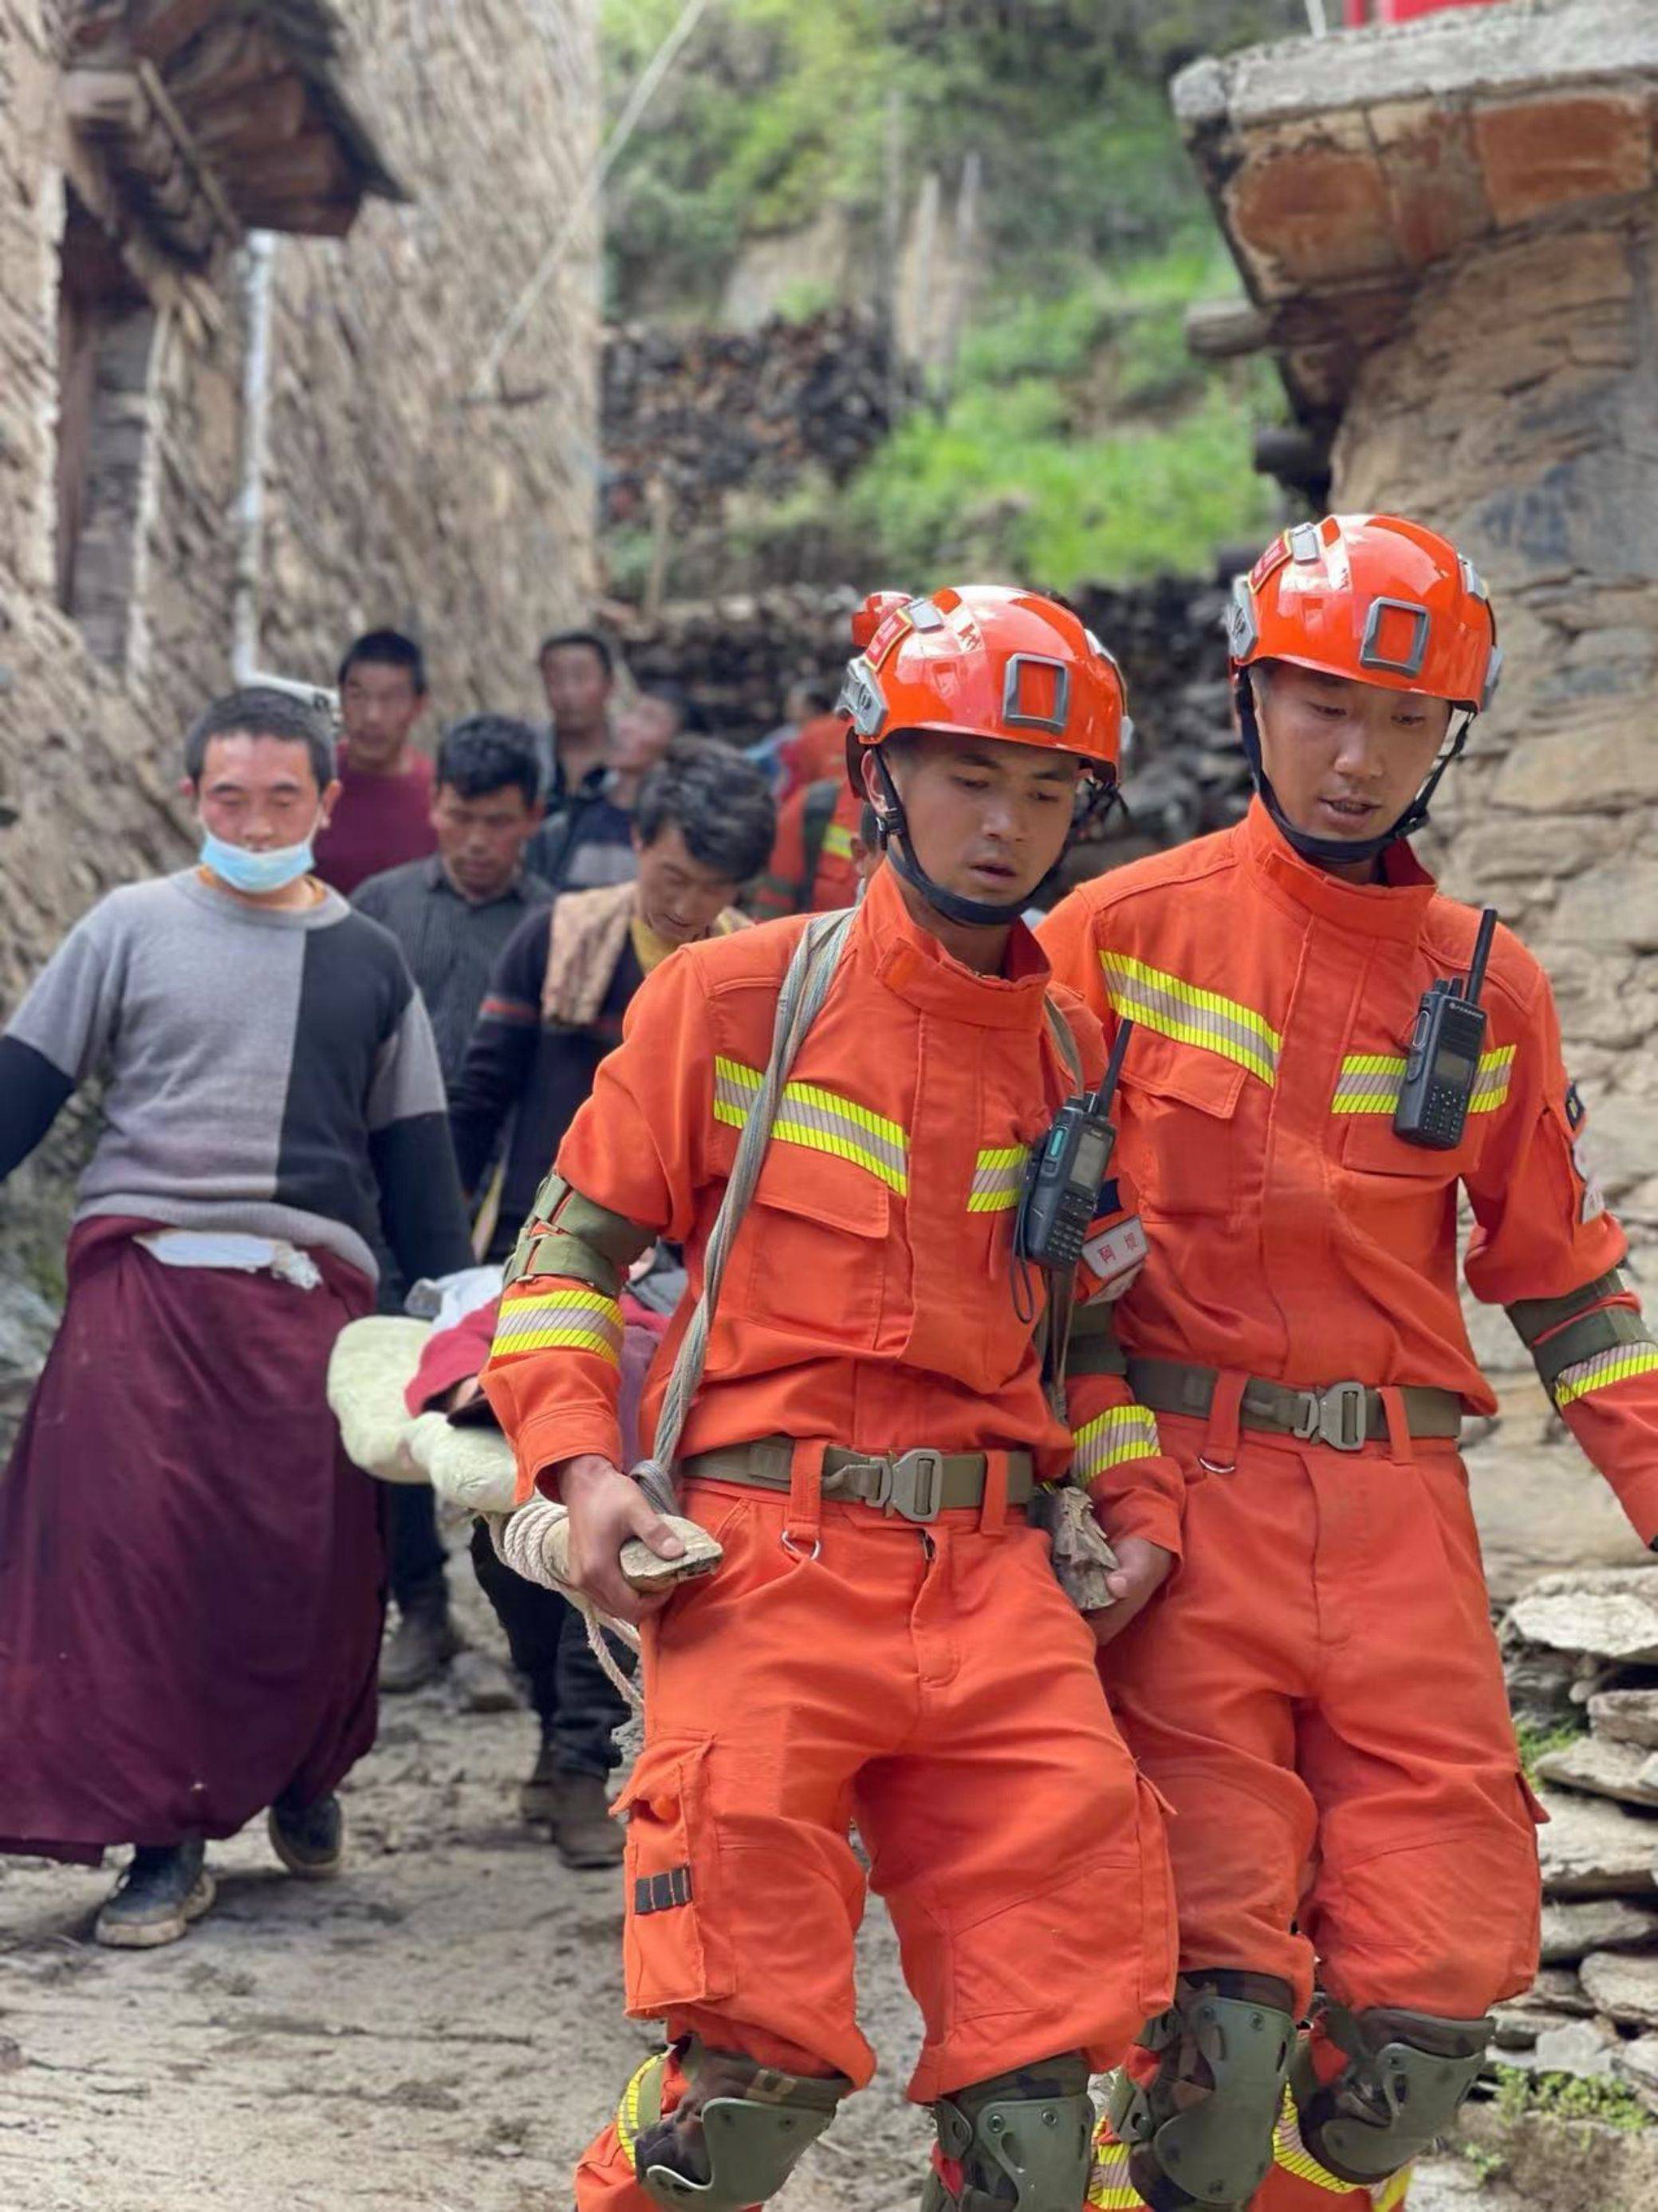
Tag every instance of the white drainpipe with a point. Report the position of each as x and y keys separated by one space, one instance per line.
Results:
x=258 y=265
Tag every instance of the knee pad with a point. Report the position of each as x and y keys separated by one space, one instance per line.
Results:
x=1021 y=2139
x=1200 y=2132
x=735 y=2136
x=1405 y=2075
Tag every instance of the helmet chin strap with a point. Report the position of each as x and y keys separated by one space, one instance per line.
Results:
x=1330 y=852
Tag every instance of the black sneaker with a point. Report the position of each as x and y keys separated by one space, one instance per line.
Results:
x=309 y=1839
x=163 y=1889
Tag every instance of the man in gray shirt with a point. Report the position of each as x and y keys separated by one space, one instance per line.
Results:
x=453 y=914
x=189 y=1568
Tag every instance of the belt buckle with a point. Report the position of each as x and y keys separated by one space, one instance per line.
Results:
x=913 y=1486
x=1336 y=1416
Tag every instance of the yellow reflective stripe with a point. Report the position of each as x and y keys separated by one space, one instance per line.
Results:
x=626 y=2112
x=820 y=1120
x=1192 y=1014
x=837 y=839
x=1602 y=1369
x=997 y=1178
x=1292 y=2154
x=1490 y=1085
x=1391 y=2192
x=1370 y=1082
x=1120 y=1433
x=1109 y=2188
x=550 y=1321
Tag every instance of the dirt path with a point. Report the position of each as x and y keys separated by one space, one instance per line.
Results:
x=438 y=2032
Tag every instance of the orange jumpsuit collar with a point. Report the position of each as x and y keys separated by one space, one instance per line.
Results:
x=1395 y=908
x=914 y=966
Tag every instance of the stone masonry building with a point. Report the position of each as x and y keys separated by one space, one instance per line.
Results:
x=253 y=254
x=170 y=509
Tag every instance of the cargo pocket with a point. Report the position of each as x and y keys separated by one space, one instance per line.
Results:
x=1183 y=1105
x=674 y=1951
x=1159 y=1924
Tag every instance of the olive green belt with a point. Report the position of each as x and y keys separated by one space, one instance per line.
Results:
x=1346 y=1416
x=917 y=1484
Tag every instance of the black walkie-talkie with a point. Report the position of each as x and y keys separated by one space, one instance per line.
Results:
x=1443 y=1064
x=1062 y=1183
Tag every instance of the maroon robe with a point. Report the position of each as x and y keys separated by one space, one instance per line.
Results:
x=191 y=1570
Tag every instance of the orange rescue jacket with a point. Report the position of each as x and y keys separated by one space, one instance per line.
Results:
x=868 y=1300
x=1292 y=1234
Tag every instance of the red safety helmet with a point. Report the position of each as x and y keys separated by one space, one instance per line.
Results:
x=989 y=661
x=1374 y=598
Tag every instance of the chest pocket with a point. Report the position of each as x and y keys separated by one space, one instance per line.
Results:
x=1179 y=1121
x=1368 y=1147
x=816 y=1238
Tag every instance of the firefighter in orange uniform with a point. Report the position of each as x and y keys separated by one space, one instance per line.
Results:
x=813 y=867
x=885 y=1640
x=1301 y=1110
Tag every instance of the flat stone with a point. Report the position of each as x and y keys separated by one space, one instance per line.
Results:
x=1623 y=1984
x=1637 y=2063
x=1610 y=1613
x=1605 y=1768
x=1626 y=1717
x=1593 y=1848
x=1610 y=907
x=1580 y=771
x=1518 y=2026
x=1583 y=2047
x=1571 y=1932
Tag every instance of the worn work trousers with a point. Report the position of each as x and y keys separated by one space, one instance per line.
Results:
x=935 y=1686
x=1317 y=1693
x=579 y=1709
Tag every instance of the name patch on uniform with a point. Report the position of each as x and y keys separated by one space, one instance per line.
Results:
x=1113 y=1257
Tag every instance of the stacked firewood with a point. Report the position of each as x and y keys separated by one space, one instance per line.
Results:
x=690 y=416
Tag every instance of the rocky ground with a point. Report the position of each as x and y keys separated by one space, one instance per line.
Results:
x=438 y=2032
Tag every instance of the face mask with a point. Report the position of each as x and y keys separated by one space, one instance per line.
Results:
x=255 y=873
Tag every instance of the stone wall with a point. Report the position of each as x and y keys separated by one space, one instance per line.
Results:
x=1514 y=410
x=389 y=497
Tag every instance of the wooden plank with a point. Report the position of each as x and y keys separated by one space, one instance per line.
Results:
x=302 y=218
x=253 y=120
x=158 y=29
x=311 y=166
x=1222 y=330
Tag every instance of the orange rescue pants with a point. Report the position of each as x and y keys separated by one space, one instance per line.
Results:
x=1318 y=1695
x=937 y=1688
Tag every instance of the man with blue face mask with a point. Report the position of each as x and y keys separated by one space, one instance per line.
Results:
x=189 y=1571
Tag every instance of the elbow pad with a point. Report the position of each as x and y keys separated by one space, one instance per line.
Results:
x=1562 y=1333
x=569 y=1235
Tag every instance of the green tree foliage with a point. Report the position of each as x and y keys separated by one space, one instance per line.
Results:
x=1079 y=438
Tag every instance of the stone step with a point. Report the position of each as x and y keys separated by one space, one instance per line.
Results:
x=1622 y=1771
x=1626 y=1717
x=1610 y=1613
x=1571 y=1931
x=1592 y=1847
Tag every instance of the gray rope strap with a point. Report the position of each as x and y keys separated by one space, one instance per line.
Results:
x=805 y=987
x=530 y=1540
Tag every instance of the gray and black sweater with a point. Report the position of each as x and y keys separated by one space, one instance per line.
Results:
x=270 y=1072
